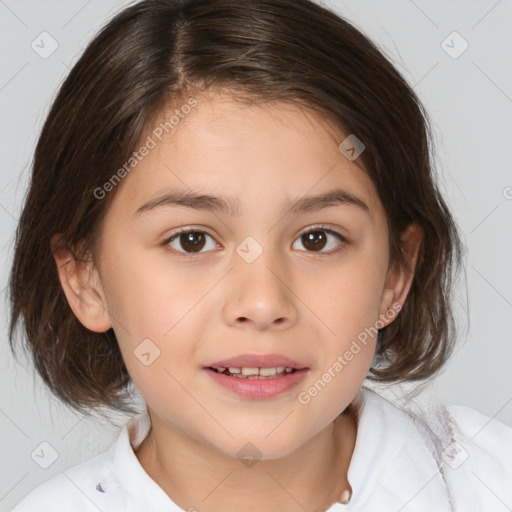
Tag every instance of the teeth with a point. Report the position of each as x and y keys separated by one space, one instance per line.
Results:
x=250 y=372
x=268 y=371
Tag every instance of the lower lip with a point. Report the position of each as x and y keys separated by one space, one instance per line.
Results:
x=258 y=388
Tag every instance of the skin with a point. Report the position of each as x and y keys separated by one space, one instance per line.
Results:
x=215 y=305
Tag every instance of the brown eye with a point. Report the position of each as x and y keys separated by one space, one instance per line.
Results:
x=316 y=239
x=189 y=242
x=193 y=241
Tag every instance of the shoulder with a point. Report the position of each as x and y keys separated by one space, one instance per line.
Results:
x=478 y=425
x=475 y=456
x=490 y=439
x=75 y=489
x=472 y=451
x=113 y=481
x=479 y=457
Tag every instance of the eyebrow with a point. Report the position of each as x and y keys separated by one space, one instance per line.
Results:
x=231 y=206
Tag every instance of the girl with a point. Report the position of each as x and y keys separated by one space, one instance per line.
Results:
x=233 y=208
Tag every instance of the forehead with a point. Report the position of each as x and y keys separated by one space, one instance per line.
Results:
x=223 y=146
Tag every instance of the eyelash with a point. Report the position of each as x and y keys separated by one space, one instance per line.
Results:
x=318 y=227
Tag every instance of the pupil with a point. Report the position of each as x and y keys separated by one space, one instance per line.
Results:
x=194 y=241
x=187 y=239
x=311 y=239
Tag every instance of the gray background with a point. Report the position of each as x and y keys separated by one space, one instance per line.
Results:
x=469 y=97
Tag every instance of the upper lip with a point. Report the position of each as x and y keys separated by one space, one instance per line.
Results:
x=258 y=361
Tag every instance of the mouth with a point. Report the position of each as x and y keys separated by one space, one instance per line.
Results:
x=257 y=382
x=264 y=365
x=254 y=372
x=257 y=376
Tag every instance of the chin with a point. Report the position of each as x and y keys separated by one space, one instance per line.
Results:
x=249 y=450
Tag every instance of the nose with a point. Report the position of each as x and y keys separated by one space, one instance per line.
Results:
x=260 y=295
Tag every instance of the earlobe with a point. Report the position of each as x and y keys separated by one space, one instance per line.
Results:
x=399 y=279
x=82 y=287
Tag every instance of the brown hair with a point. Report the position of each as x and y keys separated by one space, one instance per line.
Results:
x=158 y=52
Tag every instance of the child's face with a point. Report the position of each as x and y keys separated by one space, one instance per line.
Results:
x=298 y=298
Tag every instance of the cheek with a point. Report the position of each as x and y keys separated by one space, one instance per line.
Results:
x=151 y=294
x=350 y=297
x=155 y=311
x=349 y=306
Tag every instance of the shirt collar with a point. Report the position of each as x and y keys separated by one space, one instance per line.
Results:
x=142 y=489
x=381 y=433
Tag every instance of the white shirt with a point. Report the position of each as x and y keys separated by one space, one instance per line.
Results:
x=394 y=467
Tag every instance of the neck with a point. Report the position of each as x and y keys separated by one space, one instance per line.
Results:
x=197 y=476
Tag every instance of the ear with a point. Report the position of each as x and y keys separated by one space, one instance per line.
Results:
x=399 y=279
x=82 y=286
